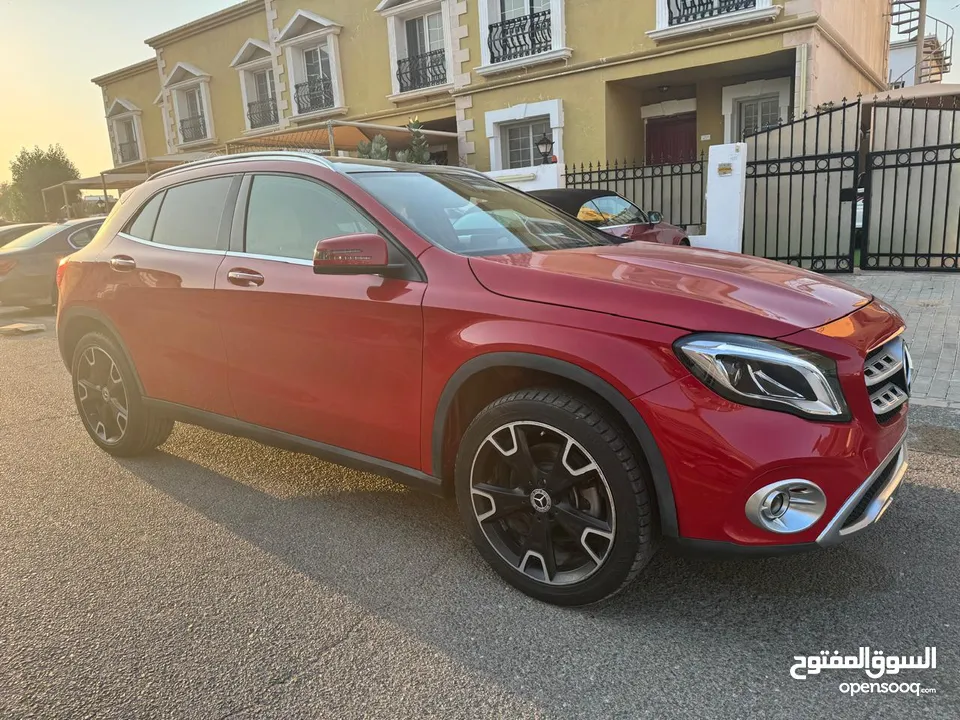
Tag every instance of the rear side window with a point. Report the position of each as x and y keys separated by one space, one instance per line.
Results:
x=288 y=216
x=190 y=215
x=615 y=211
x=82 y=238
x=142 y=226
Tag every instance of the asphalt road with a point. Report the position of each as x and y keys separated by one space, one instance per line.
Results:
x=219 y=578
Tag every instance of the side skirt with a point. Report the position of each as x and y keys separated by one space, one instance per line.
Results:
x=285 y=441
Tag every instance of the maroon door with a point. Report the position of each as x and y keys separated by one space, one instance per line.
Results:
x=672 y=139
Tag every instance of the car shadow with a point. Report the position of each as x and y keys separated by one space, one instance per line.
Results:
x=405 y=557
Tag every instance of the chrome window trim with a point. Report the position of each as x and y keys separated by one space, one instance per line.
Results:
x=150 y=243
x=834 y=532
x=271 y=258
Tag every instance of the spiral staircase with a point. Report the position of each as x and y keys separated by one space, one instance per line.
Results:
x=908 y=23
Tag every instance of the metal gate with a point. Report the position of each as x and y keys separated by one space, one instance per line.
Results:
x=911 y=213
x=801 y=189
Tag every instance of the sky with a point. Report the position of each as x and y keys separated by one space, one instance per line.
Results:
x=49 y=50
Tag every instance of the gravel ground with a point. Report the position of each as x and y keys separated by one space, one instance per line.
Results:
x=220 y=578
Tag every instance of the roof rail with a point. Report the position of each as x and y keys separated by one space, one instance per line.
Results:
x=257 y=155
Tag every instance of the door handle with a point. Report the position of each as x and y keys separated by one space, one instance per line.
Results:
x=245 y=278
x=123 y=263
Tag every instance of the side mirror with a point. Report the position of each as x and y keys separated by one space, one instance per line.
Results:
x=655 y=218
x=359 y=254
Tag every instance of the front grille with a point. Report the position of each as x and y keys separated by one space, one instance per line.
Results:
x=887 y=374
x=879 y=484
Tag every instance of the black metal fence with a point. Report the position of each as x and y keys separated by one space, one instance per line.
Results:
x=676 y=190
x=422 y=71
x=686 y=11
x=801 y=189
x=520 y=37
x=193 y=128
x=314 y=94
x=911 y=187
x=262 y=113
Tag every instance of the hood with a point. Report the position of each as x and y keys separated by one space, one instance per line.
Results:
x=697 y=290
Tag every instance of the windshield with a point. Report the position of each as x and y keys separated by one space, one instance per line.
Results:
x=32 y=238
x=472 y=215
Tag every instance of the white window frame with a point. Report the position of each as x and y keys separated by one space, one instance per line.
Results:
x=765 y=10
x=396 y=13
x=733 y=95
x=294 y=41
x=505 y=129
x=121 y=111
x=248 y=65
x=196 y=80
x=496 y=122
x=489 y=11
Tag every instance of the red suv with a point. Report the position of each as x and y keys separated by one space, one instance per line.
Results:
x=582 y=396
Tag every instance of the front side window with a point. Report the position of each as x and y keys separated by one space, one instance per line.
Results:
x=611 y=211
x=472 y=215
x=520 y=143
x=288 y=216
x=190 y=215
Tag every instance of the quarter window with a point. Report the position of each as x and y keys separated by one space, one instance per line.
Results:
x=191 y=214
x=143 y=224
x=287 y=217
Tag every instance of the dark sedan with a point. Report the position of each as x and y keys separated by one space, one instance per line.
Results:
x=28 y=265
x=12 y=232
x=614 y=214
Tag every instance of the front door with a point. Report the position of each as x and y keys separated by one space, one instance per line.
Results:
x=160 y=292
x=672 y=139
x=335 y=359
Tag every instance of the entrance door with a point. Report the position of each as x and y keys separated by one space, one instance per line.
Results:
x=672 y=139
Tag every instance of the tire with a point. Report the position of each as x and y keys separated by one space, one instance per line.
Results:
x=104 y=383
x=600 y=485
x=685 y=243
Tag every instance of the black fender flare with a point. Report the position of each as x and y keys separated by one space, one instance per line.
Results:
x=585 y=378
x=71 y=315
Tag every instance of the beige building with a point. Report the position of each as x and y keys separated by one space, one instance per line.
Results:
x=657 y=80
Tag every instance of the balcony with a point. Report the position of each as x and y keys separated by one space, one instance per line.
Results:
x=520 y=37
x=681 y=17
x=129 y=152
x=422 y=71
x=313 y=95
x=193 y=129
x=262 y=113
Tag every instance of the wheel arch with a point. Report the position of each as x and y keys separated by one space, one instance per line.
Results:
x=75 y=323
x=573 y=376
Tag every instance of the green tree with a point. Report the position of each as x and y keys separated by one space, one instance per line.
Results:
x=10 y=203
x=376 y=150
x=419 y=152
x=34 y=170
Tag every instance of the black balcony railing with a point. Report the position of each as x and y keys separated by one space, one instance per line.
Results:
x=520 y=37
x=422 y=71
x=262 y=113
x=687 y=11
x=312 y=95
x=129 y=152
x=193 y=129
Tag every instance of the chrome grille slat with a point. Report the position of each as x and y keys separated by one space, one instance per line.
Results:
x=886 y=374
x=888 y=398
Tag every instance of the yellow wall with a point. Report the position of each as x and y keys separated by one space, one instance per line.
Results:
x=142 y=90
x=212 y=51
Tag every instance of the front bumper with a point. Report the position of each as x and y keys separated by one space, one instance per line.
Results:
x=870 y=501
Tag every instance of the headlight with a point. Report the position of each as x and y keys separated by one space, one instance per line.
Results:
x=766 y=374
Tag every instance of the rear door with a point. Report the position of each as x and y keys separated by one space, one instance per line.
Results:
x=160 y=293
x=335 y=359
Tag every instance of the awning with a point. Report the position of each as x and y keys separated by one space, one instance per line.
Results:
x=331 y=136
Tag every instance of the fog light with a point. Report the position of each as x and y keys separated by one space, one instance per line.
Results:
x=788 y=506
